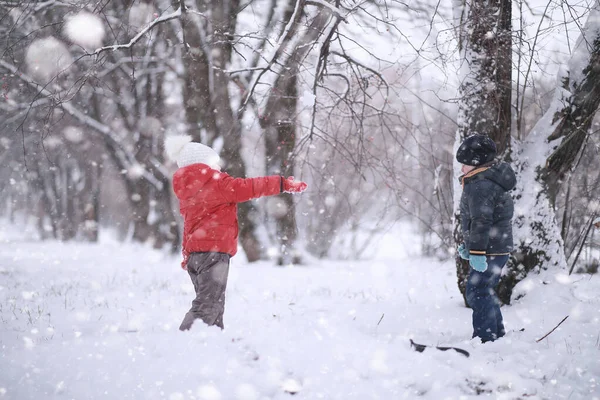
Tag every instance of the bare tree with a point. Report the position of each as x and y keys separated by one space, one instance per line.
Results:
x=306 y=70
x=60 y=79
x=296 y=42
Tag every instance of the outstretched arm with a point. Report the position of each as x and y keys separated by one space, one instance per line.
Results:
x=238 y=190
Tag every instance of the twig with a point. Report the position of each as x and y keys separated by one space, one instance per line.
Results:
x=284 y=39
x=547 y=334
x=382 y=315
x=587 y=232
x=176 y=14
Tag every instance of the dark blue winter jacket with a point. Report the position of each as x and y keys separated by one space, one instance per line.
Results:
x=486 y=209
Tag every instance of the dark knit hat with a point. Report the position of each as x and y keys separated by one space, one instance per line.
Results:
x=476 y=150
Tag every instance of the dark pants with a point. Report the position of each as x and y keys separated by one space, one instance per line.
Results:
x=481 y=297
x=209 y=272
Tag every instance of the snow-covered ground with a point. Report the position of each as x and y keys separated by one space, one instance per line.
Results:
x=100 y=322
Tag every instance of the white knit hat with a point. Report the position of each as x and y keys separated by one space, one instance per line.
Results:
x=184 y=152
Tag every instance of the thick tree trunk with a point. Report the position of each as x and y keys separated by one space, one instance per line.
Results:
x=228 y=124
x=280 y=137
x=166 y=228
x=91 y=203
x=538 y=243
x=153 y=218
x=485 y=91
x=208 y=104
x=279 y=122
x=198 y=80
x=61 y=179
x=84 y=184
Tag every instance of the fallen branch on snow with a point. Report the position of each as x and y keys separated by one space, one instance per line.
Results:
x=547 y=334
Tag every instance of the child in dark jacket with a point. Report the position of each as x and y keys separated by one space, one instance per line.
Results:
x=486 y=211
x=208 y=204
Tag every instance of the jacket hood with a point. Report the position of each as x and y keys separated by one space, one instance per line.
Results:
x=188 y=180
x=500 y=173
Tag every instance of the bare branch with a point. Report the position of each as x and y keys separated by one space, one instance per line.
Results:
x=175 y=14
x=548 y=334
x=529 y=66
x=284 y=39
x=332 y=8
x=124 y=157
x=374 y=72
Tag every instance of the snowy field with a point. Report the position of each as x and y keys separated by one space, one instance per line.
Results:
x=100 y=322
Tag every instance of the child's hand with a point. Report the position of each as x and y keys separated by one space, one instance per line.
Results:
x=478 y=263
x=291 y=186
x=462 y=252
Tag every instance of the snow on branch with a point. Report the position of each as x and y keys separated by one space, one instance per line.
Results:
x=175 y=14
x=281 y=43
x=284 y=39
x=239 y=71
x=124 y=158
x=39 y=5
x=331 y=7
x=191 y=11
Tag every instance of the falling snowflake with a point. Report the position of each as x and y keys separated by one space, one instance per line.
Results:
x=85 y=30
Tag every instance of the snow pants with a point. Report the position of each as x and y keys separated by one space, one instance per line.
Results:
x=209 y=272
x=481 y=297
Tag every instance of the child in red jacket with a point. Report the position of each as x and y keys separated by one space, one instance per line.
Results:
x=208 y=204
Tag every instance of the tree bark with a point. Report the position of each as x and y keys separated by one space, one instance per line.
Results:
x=280 y=137
x=208 y=103
x=229 y=125
x=485 y=90
x=198 y=80
x=153 y=217
x=279 y=123
x=542 y=162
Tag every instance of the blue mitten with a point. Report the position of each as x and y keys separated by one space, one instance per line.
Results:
x=478 y=263
x=462 y=252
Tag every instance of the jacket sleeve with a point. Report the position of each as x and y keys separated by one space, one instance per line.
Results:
x=481 y=208
x=238 y=190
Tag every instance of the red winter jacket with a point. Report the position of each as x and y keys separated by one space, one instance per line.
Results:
x=208 y=203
